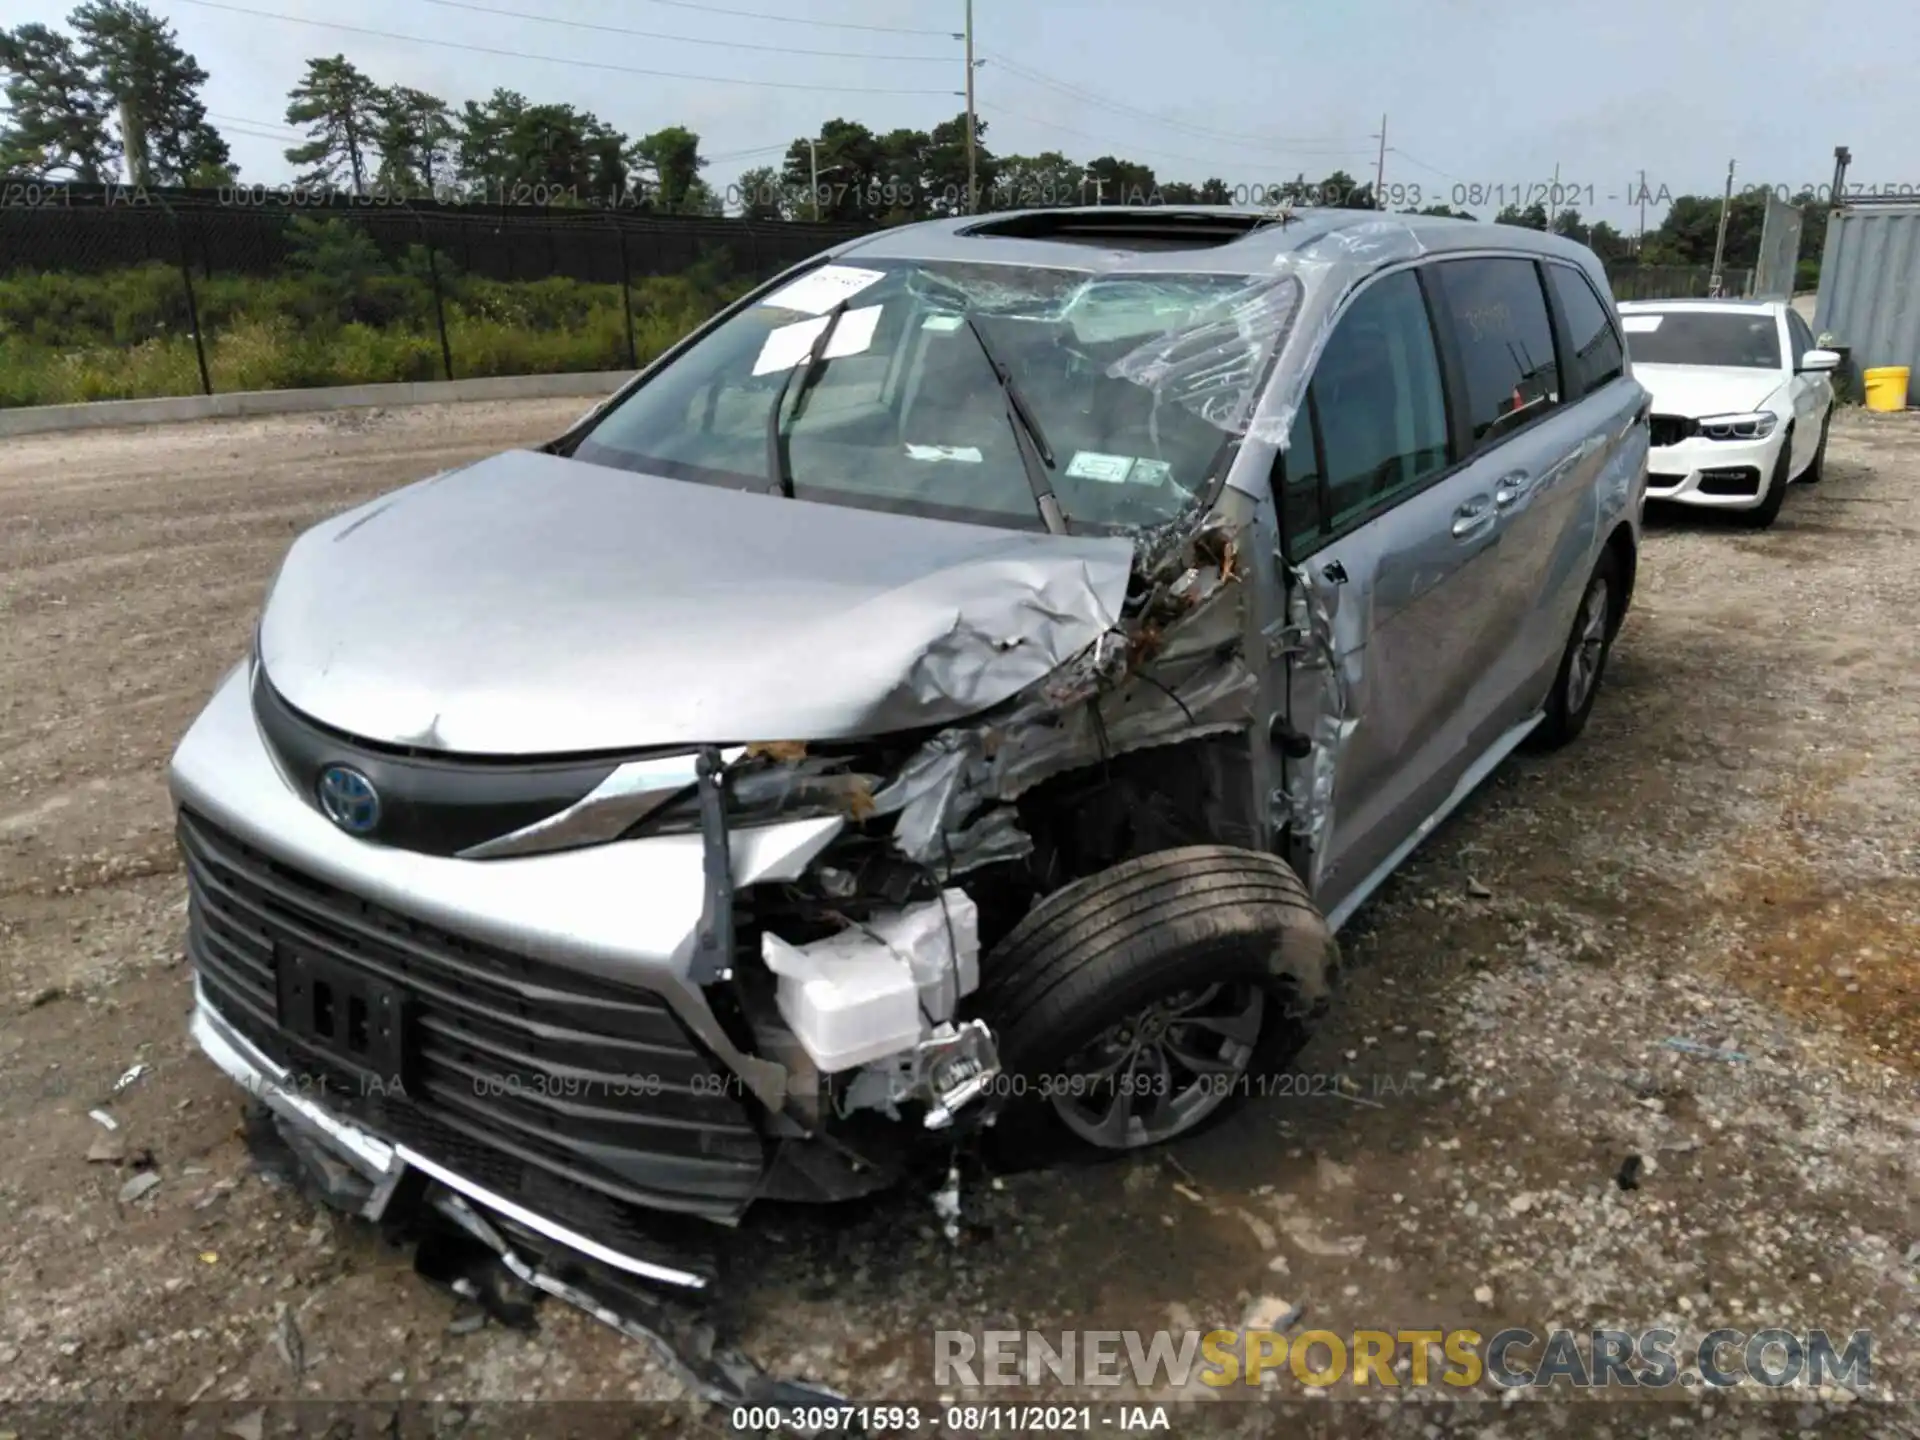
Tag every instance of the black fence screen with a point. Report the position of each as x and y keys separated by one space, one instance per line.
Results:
x=116 y=291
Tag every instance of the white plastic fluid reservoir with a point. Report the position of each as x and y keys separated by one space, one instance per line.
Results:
x=941 y=942
x=857 y=996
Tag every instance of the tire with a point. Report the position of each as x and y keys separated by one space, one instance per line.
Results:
x=1768 y=510
x=1103 y=957
x=1816 y=470
x=1583 y=664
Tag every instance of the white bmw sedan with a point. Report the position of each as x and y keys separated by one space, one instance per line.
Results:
x=1741 y=401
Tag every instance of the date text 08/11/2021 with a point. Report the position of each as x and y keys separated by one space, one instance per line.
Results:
x=908 y=1419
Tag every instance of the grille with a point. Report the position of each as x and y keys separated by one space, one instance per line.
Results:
x=573 y=1095
x=1670 y=429
x=1656 y=481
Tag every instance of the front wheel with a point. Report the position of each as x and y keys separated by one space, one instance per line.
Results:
x=1768 y=510
x=1139 y=1004
x=1816 y=470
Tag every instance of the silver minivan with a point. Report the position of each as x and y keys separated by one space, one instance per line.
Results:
x=962 y=690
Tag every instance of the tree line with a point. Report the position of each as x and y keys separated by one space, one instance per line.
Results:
x=115 y=94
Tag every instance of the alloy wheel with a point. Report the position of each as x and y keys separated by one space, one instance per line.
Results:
x=1164 y=1068
x=1589 y=646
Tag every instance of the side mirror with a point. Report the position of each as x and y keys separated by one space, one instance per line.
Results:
x=1819 y=360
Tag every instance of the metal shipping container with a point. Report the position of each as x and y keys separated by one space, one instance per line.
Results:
x=1870 y=284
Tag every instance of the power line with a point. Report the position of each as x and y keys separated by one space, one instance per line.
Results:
x=575 y=62
x=289 y=141
x=682 y=39
x=780 y=149
x=1416 y=161
x=1292 y=145
x=1107 y=140
x=249 y=120
x=706 y=9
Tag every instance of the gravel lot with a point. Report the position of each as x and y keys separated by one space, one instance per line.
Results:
x=1729 y=859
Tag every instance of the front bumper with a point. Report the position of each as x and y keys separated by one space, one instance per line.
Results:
x=1698 y=471
x=384 y=1165
x=551 y=1043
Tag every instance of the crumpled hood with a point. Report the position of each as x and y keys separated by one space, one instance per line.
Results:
x=530 y=604
x=1696 y=390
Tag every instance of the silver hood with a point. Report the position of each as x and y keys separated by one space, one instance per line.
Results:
x=529 y=604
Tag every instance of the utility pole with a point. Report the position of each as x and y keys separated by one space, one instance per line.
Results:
x=1553 y=197
x=813 y=170
x=1380 y=168
x=1640 y=243
x=973 y=184
x=1720 y=240
x=1842 y=157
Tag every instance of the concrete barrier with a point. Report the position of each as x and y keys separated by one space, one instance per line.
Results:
x=35 y=419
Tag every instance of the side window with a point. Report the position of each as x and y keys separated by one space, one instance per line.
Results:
x=1597 y=353
x=1800 y=335
x=1378 y=400
x=1499 y=317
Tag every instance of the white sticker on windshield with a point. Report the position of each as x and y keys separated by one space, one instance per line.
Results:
x=943 y=322
x=1640 y=324
x=1092 y=465
x=966 y=453
x=1151 y=472
x=818 y=291
x=788 y=346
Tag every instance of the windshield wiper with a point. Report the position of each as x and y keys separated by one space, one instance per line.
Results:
x=779 y=462
x=1036 y=456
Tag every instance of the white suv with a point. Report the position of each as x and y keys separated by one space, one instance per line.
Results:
x=1741 y=401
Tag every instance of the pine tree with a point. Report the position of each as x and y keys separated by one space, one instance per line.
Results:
x=55 y=124
x=414 y=140
x=339 y=106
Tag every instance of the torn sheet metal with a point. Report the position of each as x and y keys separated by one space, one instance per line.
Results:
x=627 y=796
x=1177 y=672
x=1310 y=801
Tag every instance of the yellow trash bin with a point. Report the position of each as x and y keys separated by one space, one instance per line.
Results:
x=1886 y=387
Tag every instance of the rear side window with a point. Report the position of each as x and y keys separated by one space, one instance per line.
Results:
x=1378 y=405
x=1499 y=317
x=1598 y=356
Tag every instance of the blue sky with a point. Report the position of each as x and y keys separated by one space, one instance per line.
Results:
x=1482 y=92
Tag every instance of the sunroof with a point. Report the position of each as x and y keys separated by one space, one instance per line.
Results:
x=1154 y=228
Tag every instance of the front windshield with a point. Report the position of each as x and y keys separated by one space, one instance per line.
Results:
x=1136 y=384
x=1748 y=339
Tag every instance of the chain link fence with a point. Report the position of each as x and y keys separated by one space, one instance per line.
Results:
x=1672 y=282
x=110 y=292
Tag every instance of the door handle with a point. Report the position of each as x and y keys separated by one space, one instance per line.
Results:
x=1473 y=515
x=1508 y=489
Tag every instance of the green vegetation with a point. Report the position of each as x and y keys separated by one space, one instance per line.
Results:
x=340 y=315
